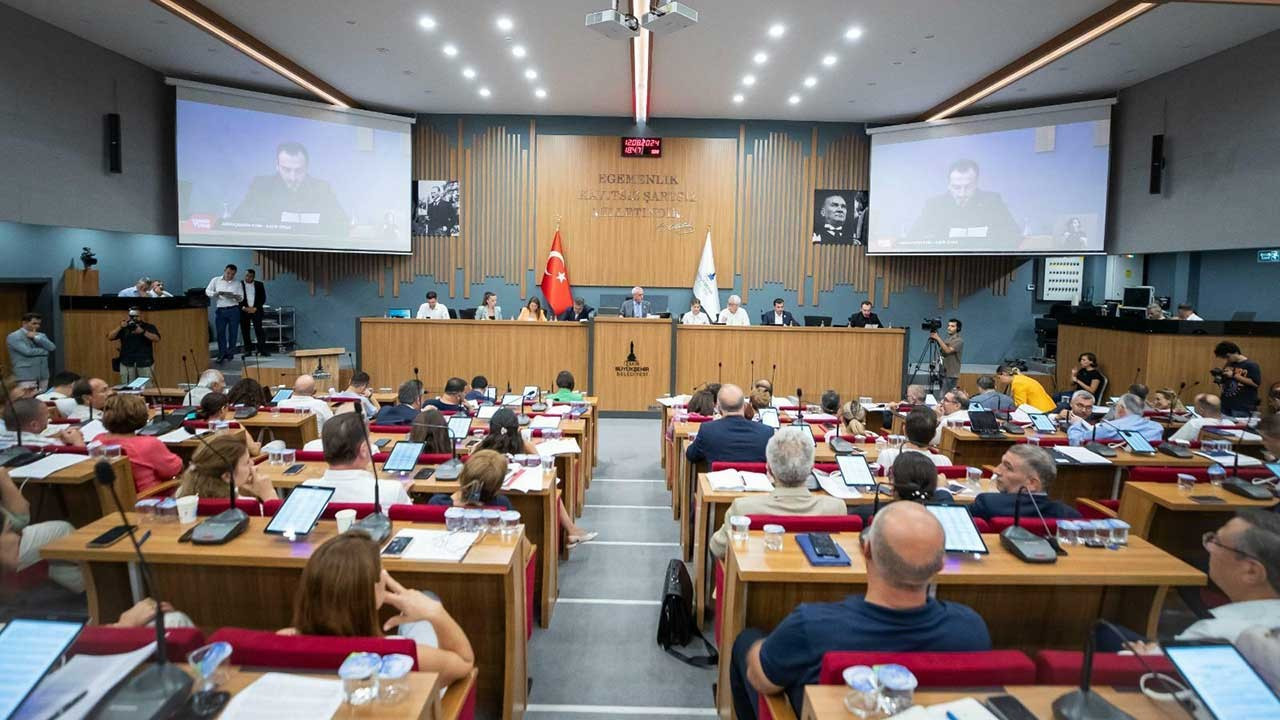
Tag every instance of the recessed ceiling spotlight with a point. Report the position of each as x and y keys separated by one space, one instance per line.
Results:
x=794 y=100
x=450 y=50
x=777 y=30
x=810 y=81
x=738 y=98
x=828 y=60
x=518 y=51
x=530 y=74
x=468 y=73
x=426 y=22
x=760 y=58
x=504 y=24
x=484 y=92
x=748 y=80
x=540 y=93
x=853 y=33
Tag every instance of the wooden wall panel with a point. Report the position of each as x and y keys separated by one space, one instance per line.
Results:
x=622 y=384
x=84 y=334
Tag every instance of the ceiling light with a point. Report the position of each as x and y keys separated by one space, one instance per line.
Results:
x=505 y=24
x=853 y=33
x=748 y=80
x=738 y=98
x=794 y=99
x=468 y=73
x=540 y=93
x=426 y=22
x=760 y=58
x=828 y=60
x=518 y=51
x=777 y=30
x=530 y=74
x=810 y=81
x=450 y=50
x=484 y=92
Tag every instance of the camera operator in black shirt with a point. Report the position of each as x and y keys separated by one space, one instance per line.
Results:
x=1239 y=378
x=136 y=337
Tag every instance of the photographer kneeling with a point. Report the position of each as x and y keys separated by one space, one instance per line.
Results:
x=136 y=337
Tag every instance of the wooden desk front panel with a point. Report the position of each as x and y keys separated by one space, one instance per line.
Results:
x=503 y=351
x=620 y=383
x=88 y=351
x=852 y=362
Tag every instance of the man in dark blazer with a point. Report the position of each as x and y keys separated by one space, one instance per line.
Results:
x=864 y=317
x=408 y=405
x=779 y=315
x=637 y=306
x=254 y=298
x=580 y=311
x=1022 y=466
x=732 y=438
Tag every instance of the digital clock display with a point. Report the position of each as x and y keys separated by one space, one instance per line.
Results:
x=641 y=147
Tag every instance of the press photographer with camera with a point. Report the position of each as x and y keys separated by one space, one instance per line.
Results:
x=136 y=336
x=950 y=349
x=1239 y=378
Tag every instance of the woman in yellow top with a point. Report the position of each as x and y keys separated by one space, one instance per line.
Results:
x=533 y=311
x=1023 y=389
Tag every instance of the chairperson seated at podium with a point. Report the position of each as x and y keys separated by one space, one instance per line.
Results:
x=780 y=315
x=1022 y=466
x=489 y=308
x=637 y=306
x=732 y=438
x=733 y=314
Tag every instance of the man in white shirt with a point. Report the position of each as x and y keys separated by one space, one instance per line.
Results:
x=141 y=288
x=431 y=309
x=921 y=424
x=359 y=388
x=90 y=395
x=733 y=314
x=31 y=416
x=1209 y=408
x=303 y=398
x=954 y=407
x=347 y=453
x=1187 y=312
x=157 y=290
x=1244 y=562
x=226 y=293
x=59 y=392
x=210 y=381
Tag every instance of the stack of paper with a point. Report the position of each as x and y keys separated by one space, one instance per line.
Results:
x=543 y=422
x=963 y=709
x=738 y=481
x=558 y=446
x=1081 y=455
x=95 y=675
x=91 y=430
x=176 y=436
x=433 y=546
x=558 y=410
x=523 y=480
x=675 y=400
x=47 y=465
x=1020 y=415
x=834 y=486
x=1238 y=434
x=277 y=695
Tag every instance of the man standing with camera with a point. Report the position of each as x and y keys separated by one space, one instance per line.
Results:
x=136 y=337
x=1239 y=379
x=950 y=350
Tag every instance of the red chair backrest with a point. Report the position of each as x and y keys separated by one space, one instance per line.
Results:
x=952 y=472
x=1170 y=475
x=418 y=513
x=1000 y=524
x=278 y=409
x=213 y=506
x=743 y=466
x=870 y=437
x=982 y=525
x=1048 y=441
x=1088 y=513
x=809 y=523
x=204 y=424
x=309 y=456
x=826 y=467
x=102 y=640
x=940 y=669
x=423 y=458
x=1062 y=667
x=696 y=418
x=260 y=648
x=272 y=506
x=390 y=428
x=70 y=449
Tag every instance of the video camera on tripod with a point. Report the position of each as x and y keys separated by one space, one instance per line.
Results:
x=931 y=325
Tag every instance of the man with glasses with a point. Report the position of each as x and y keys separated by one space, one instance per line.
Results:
x=1244 y=562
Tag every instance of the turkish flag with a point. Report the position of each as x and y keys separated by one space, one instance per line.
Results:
x=555 y=279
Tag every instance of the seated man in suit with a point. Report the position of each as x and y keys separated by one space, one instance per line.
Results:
x=1028 y=466
x=408 y=404
x=637 y=306
x=864 y=317
x=451 y=400
x=1078 y=409
x=903 y=551
x=732 y=438
x=347 y=453
x=580 y=311
x=1126 y=414
x=789 y=459
x=779 y=316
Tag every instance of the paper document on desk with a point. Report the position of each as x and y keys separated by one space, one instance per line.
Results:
x=523 y=480
x=1227 y=459
x=756 y=482
x=819 y=418
x=738 y=481
x=278 y=695
x=675 y=400
x=91 y=430
x=963 y=709
x=1081 y=455
x=433 y=546
x=543 y=422
x=176 y=436
x=833 y=485
x=558 y=446
x=1021 y=415
x=558 y=409
x=96 y=675
x=781 y=401
x=47 y=465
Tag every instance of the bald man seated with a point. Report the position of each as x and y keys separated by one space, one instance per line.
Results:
x=304 y=398
x=1209 y=408
x=732 y=438
x=903 y=551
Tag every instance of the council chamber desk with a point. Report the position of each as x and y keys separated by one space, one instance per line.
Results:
x=86 y=322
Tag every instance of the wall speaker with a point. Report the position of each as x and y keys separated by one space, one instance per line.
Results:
x=114 y=159
x=1157 y=164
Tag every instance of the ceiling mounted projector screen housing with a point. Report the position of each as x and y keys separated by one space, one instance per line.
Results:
x=269 y=172
x=1028 y=182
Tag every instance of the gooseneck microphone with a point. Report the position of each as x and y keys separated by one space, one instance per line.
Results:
x=773 y=373
x=376 y=524
x=1021 y=542
x=753 y=371
x=719 y=373
x=161 y=687
x=1084 y=703
x=799 y=406
x=1096 y=447
x=229 y=523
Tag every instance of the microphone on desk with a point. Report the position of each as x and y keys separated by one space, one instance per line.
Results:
x=773 y=373
x=221 y=528
x=719 y=373
x=1021 y=542
x=376 y=524
x=799 y=406
x=159 y=689
x=1085 y=704
x=18 y=455
x=1096 y=447
x=1136 y=373
x=415 y=379
x=875 y=500
x=753 y=372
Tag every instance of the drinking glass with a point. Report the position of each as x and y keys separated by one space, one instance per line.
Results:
x=510 y=524
x=773 y=537
x=739 y=529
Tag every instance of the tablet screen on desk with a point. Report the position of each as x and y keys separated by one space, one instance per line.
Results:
x=30 y=646
x=510 y=400
x=404 y=457
x=1136 y=442
x=855 y=471
x=961 y=534
x=769 y=416
x=1274 y=469
x=491 y=393
x=459 y=427
x=1229 y=687
x=138 y=383
x=300 y=510
x=281 y=395
x=531 y=393
x=1043 y=423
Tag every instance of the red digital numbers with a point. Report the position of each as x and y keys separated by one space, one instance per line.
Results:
x=641 y=147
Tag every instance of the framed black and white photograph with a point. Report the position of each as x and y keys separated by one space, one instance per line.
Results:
x=840 y=217
x=436 y=208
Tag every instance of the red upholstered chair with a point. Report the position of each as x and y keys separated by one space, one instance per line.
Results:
x=390 y=429
x=265 y=649
x=1062 y=667
x=1000 y=524
x=869 y=438
x=1092 y=509
x=309 y=455
x=418 y=513
x=826 y=467
x=940 y=669
x=102 y=640
x=275 y=409
x=13 y=584
x=982 y=525
x=696 y=418
x=71 y=449
x=743 y=466
x=204 y=425
x=809 y=523
x=1048 y=441
x=213 y=506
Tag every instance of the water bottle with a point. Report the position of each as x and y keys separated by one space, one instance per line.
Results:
x=1216 y=475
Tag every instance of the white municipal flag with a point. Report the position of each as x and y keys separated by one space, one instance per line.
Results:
x=704 y=285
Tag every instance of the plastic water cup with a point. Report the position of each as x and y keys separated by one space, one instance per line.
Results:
x=275 y=456
x=897 y=688
x=1119 y=532
x=473 y=519
x=287 y=456
x=1068 y=534
x=896 y=441
x=187 y=505
x=359 y=675
x=739 y=529
x=453 y=519
x=865 y=400
x=1033 y=439
x=773 y=537
x=344 y=518
x=167 y=510
x=1216 y=475
x=548 y=464
x=220 y=425
x=973 y=477
x=1186 y=482
x=95 y=449
x=510 y=524
x=393 y=678
x=111 y=452
x=492 y=521
x=863 y=698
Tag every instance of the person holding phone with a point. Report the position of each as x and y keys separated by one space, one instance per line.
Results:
x=1125 y=415
x=224 y=459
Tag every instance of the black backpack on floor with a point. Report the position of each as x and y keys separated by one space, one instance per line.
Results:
x=676 y=624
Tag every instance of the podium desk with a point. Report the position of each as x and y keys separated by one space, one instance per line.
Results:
x=1055 y=604
x=1174 y=520
x=294 y=428
x=631 y=361
x=250 y=582
x=74 y=495
x=86 y=322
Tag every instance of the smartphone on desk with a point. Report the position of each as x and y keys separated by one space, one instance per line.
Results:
x=293 y=469
x=110 y=537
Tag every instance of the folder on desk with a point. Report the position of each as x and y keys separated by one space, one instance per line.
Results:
x=806 y=546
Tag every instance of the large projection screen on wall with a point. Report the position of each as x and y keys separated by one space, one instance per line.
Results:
x=1028 y=182
x=269 y=172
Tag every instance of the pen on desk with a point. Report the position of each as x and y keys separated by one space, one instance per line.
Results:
x=141 y=540
x=69 y=705
x=951 y=716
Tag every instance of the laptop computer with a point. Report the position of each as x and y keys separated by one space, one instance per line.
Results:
x=983 y=424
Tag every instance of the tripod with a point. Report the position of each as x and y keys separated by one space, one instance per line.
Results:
x=930 y=356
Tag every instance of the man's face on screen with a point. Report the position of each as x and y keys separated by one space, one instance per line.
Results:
x=292 y=169
x=834 y=209
x=962 y=185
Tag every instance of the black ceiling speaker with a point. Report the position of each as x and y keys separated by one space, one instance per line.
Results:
x=114 y=160
x=1157 y=164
